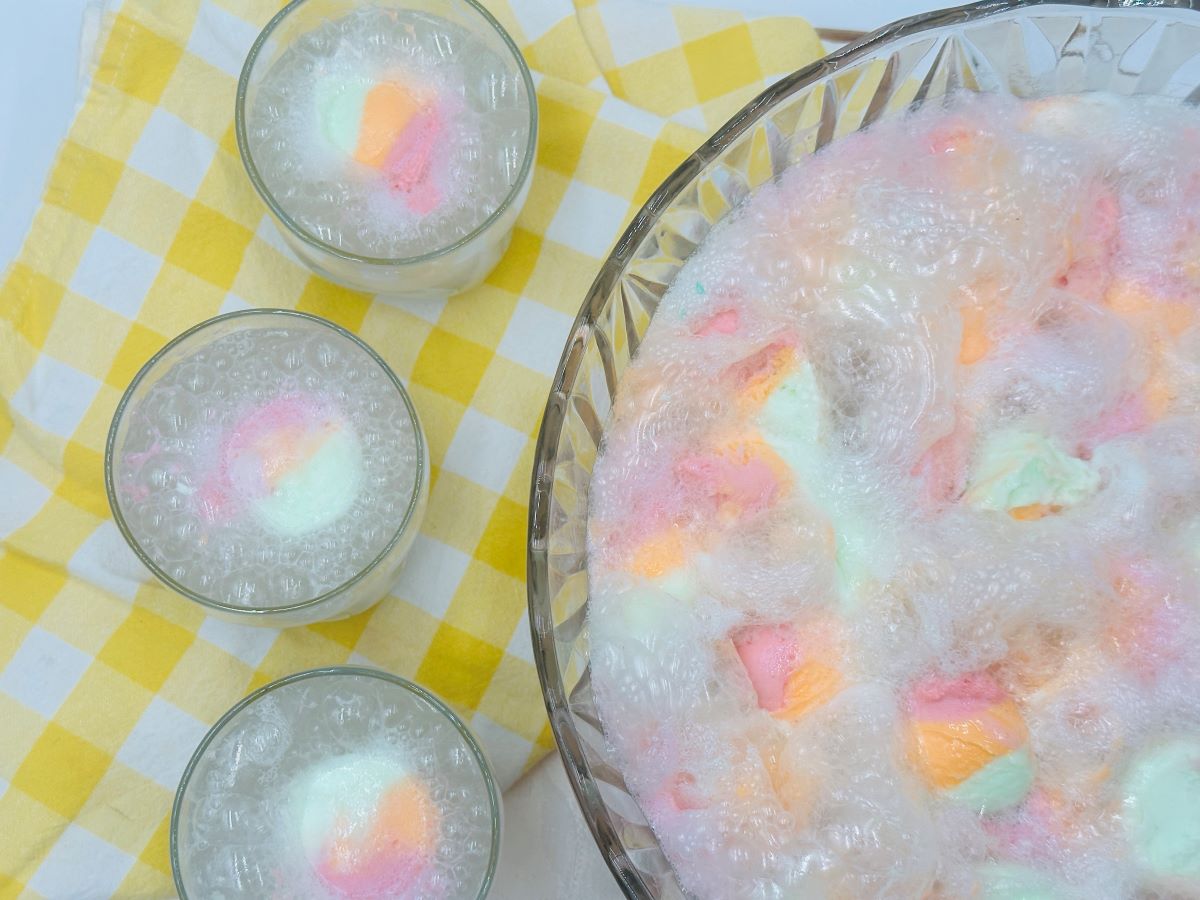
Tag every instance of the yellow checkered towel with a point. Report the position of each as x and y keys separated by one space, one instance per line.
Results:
x=148 y=226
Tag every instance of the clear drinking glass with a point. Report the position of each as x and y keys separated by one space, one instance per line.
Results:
x=268 y=465
x=1020 y=47
x=234 y=829
x=440 y=271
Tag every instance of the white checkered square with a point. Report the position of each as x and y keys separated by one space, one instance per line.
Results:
x=535 y=336
x=161 y=743
x=588 y=219
x=358 y=659
x=539 y=16
x=520 y=644
x=173 y=152
x=23 y=497
x=692 y=118
x=427 y=308
x=221 y=39
x=507 y=752
x=81 y=866
x=115 y=273
x=637 y=29
x=249 y=644
x=105 y=560
x=233 y=303
x=632 y=117
x=431 y=575
x=271 y=233
x=54 y=396
x=43 y=671
x=484 y=450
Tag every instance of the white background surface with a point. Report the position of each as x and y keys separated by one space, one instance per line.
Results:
x=45 y=53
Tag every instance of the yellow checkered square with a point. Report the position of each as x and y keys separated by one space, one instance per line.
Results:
x=226 y=189
x=545 y=195
x=95 y=179
x=20 y=732
x=268 y=278
x=61 y=770
x=106 y=329
x=396 y=335
x=27 y=585
x=139 y=345
x=83 y=479
x=56 y=242
x=346 y=632
x=338 y=304
x=459 y=666
x=225 y=677
x=177 y=300
x=10 y=888
x=399 y=636
x=88 y=632
x=34 y=303
x=93 y=429
x=502 y=545
x=21 y=814
x=209 y=245
x=137 y=60
x=55 y=531
x=563 y=50
x=665 y=157
x=563 y=132
x=146 y=648
x=514 y=691
x=481 y=319
x=596 y=168
x=144 y=211
x=449 y=496
x=103 y=709
x=156 y=854
x=514 y=269
x=502 y=607
x=296 y=649
x=450 y=365
x=117 y=803
x=561 y=277
x=13 y=629
x=642 y=80
x=194 y=77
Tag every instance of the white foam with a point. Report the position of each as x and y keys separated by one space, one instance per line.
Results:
x=864 y=255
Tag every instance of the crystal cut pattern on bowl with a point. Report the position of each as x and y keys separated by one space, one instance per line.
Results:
x=1017 y=47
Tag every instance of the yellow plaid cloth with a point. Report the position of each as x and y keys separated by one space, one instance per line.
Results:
x=108 y=681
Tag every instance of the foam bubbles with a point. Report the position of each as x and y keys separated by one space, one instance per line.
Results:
x=931 y=400
x=245 y=405
x=241 y=833
x=296 y=115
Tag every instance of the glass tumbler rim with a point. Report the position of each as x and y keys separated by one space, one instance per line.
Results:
x=246 y=612
x=494 y=798
x=297 y=230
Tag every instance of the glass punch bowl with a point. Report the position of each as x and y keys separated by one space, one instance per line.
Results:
x=1019 y=47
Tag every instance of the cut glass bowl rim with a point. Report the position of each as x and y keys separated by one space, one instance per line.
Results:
x=546 y=656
